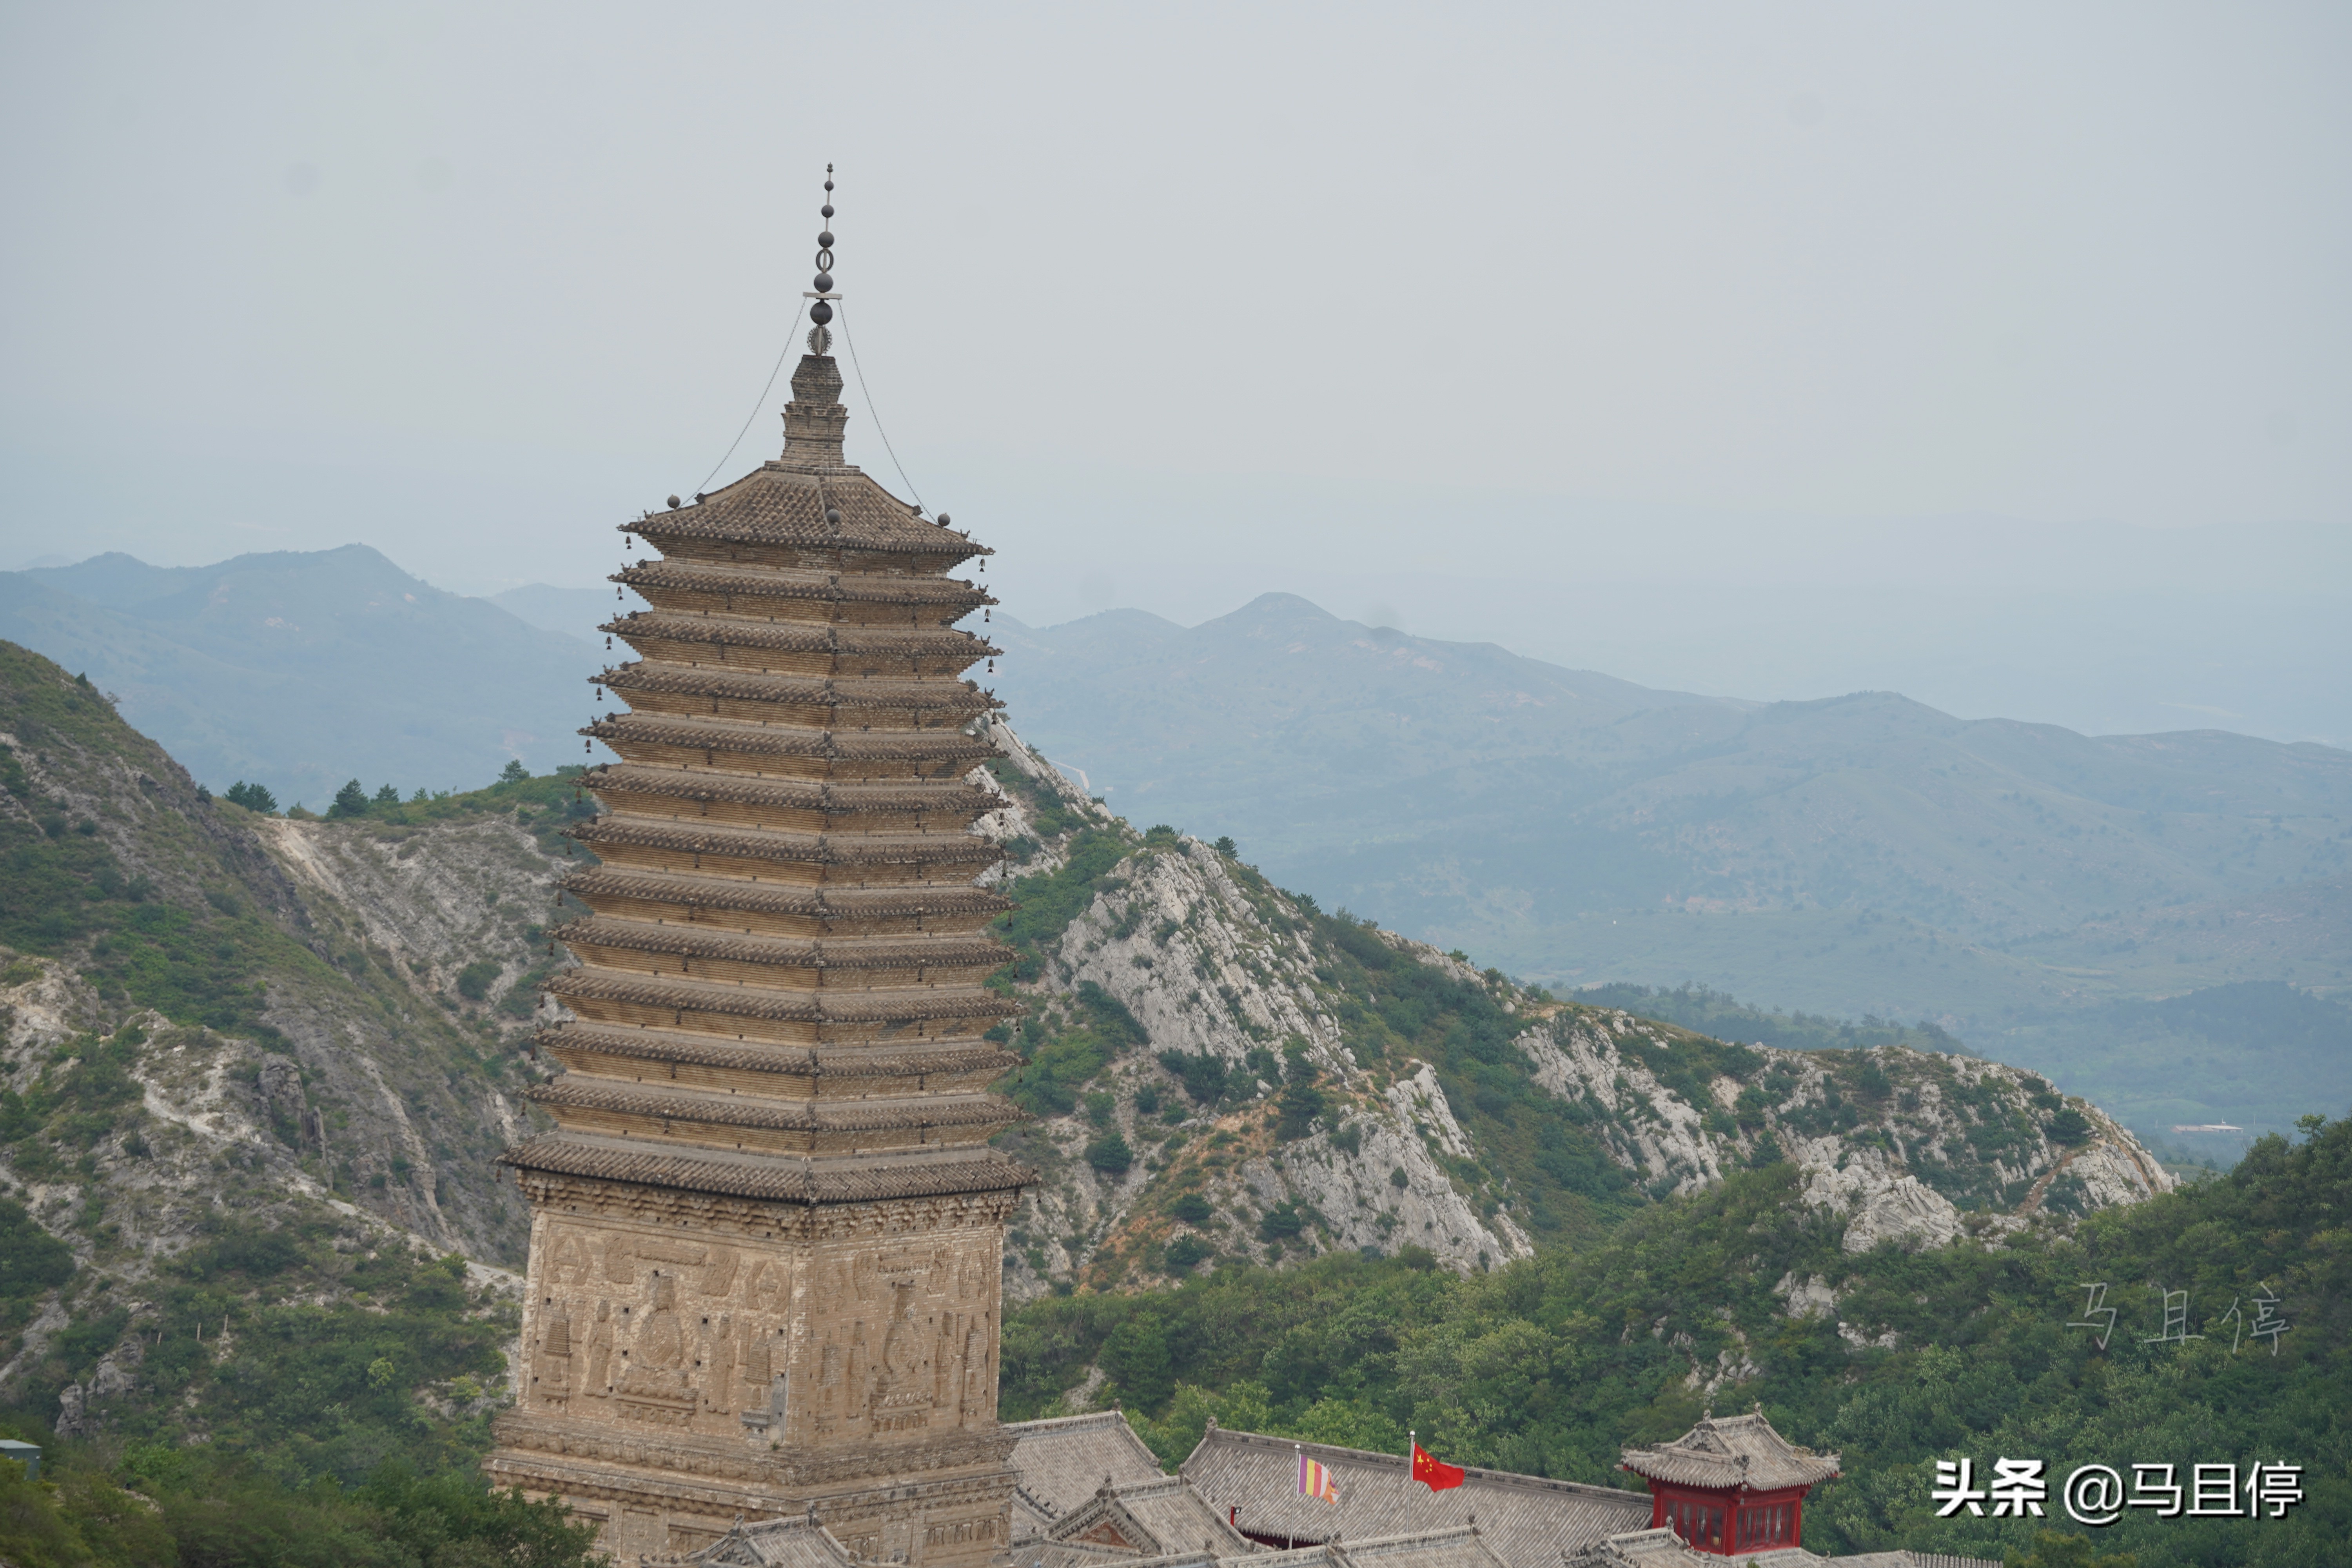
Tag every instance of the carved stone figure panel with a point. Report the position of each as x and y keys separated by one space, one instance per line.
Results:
x=883 y=1337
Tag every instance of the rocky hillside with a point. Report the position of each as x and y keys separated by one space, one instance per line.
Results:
x=220 y=1025
x=215 y=1021
x=1222 y=1069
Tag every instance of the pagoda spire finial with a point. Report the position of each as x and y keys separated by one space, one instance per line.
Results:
x=820 y=341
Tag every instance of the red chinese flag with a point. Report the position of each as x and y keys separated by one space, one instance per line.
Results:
x=1437 y=1478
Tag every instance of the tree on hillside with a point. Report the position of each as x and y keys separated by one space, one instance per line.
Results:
x=387 y=795
x=351 y=800
x=514 y=771
x=252 y=796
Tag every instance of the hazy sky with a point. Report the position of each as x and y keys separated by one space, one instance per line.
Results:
x=1471 y=315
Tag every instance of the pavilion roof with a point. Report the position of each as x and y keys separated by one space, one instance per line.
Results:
x=1730 y=1452
x=1525 y=1521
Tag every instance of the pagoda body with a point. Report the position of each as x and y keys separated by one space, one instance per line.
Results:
x=767 y=1231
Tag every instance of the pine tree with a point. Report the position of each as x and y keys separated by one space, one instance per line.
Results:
x=252 y=796
x=514 y=771
x=351 y=800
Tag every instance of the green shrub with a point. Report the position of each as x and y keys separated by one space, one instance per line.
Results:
x=1110 y=1154
x=2069 y=1126
x=1203 y=1075
x=1187 y=1252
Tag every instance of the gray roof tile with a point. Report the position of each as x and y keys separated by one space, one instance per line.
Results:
x=1526 y=1522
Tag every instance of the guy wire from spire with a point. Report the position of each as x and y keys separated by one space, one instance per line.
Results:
x=862 y=392
x=721 y=463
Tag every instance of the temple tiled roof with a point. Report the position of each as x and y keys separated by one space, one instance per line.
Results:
x=1463 y=1547
x=1525 y=1521
x=1062 y=1459
x=794 y=1541
x=1147 y=1518
x=1724 y=1452
x=1659 y=1548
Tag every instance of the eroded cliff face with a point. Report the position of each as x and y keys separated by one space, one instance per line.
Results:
x=215 y=1021
x=1198 y=958
x=1911 y=1146
x=175 y=1133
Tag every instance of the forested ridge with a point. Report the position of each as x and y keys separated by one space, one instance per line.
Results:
x=1553 y=1364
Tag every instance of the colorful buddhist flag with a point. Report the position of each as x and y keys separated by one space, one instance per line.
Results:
x=1437 y=1478
x=1315 y=1481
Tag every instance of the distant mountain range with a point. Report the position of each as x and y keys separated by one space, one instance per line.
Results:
x=2027 y=888
x=1862 y=854
x=300 y=669
x=578 y=611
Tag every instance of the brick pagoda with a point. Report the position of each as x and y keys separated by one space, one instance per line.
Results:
x=767 y=1229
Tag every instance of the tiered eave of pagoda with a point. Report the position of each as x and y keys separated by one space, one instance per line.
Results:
x=786 y=911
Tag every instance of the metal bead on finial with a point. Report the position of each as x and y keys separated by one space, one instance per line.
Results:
x=822 y=285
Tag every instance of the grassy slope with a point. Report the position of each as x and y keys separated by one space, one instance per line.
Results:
x=1550 y=1365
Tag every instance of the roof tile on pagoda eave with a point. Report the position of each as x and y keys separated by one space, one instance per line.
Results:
x=872 y=1069
x=664 y=992
x=831 y=953
x=946 y=796
x=815 y=586
x=943 y=744
x=901 y=1112
x=594 y=882
x=945 y=693
x=802 y=636
x=957 y=848
x=781 y=1180
x=776 y=505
